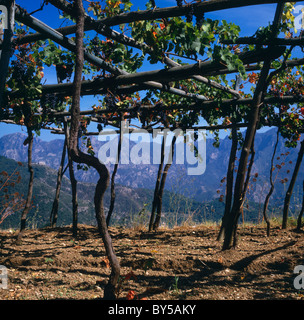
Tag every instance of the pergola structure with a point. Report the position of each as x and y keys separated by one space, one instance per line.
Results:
x=259 y=58
x=125 y=83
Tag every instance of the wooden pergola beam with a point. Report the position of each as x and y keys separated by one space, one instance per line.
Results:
x=65 y=89
x=103 y=29
x=161 y=77
x=150 y=130
x=198 y=106
x=125 y=82
x=67 y=43
x=169 y=12
x=276 y=41
x=5 y=52
x=32 y=22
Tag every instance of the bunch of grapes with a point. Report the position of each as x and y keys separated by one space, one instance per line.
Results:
x=80 y=132
x=143 y=117
x=200 y=20
x=135 y=110
x=19 y=71
x=110 y=102
x=179 y=2
x=104 y=121
x=96 y=46
x=49 y=102
x=95 y=41
x=189 y=15
x=64 y=71
x=99 y=127
x=163 y=116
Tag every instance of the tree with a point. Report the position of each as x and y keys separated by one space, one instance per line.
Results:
x=113 y=194
x=231 y=168
x=63 y=62
x=162 y=186
x=240 y=184
x=80 y=157
x=271 y=186
x=291 y=185
x=299 y=221
x=28 y=202
x=5 y=53
x=25 y=74
x=158 y=181
x=54 y=212
x=73 y=182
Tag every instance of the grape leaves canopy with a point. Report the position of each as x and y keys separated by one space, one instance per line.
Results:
x=193 y=62
x=160 y=40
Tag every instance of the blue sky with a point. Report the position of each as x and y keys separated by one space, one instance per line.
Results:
x=248 y=18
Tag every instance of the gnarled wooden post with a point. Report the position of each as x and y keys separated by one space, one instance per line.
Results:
x=229 y=181
x=54 y=212
x=80 y=157
x=158 y=180
x=162 y=186
x=291 y=185
x=113 y=193
x=299 y=221
x=6 y=52
x=29 y=142
x=240 y=183
x=271 y=186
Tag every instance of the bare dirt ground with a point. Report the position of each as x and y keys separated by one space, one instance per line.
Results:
x=179 y=264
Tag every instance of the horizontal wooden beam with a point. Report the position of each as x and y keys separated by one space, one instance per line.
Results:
x=275 y=41
x=60 y=131
x=159 y=13
x=67 y=43
x=162 y=76
x=204 y=105
x=150 y=130
x=32 y=22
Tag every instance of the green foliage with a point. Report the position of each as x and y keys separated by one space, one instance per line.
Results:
x=25 y=81
x=231 y=60
x=155 y=40
x=115 y=53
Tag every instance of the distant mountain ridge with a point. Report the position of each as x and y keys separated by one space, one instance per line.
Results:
x=132 y=206
x=203 y=188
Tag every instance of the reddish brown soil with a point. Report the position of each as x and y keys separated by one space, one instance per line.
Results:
x=184 y=263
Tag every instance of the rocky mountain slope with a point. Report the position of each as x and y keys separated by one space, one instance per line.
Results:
x=132 y=206
x=202 y=187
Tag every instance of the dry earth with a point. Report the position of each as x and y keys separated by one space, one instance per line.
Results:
x=179 y=264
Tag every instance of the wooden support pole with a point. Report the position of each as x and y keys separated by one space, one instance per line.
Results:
x=9 y=7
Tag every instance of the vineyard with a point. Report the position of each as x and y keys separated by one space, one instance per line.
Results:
x=159 y=72
x=51 y=265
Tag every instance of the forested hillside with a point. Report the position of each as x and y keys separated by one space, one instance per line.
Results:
x=132 y=208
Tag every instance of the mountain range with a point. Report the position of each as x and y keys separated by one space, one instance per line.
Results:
x=201 y=187
x=133 y=206
x=136 y=181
